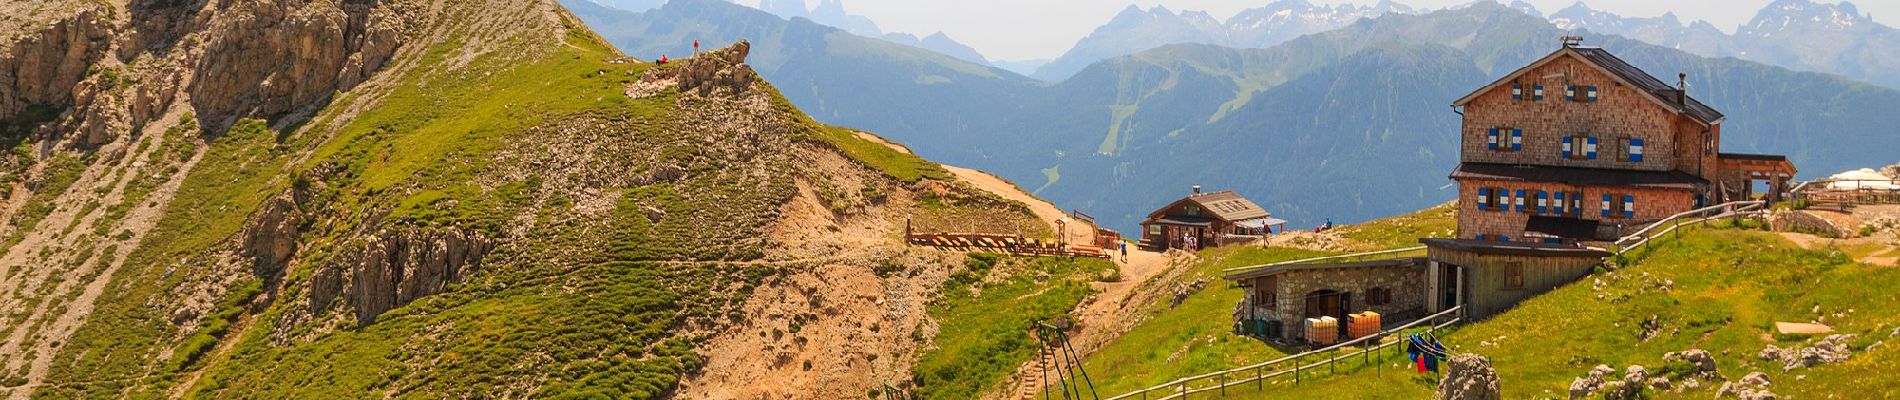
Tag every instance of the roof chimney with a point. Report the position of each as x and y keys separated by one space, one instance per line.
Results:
x=1572 y=41
x=1682 y=88
x=1197 y=190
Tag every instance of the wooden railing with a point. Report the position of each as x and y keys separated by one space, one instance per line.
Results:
x=1644 y=236
x=1323 y=259
x=1258 y=374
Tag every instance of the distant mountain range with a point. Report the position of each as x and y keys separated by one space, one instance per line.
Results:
x=1349 y=124
x=831 y=13
x=1134 y=30
x=1797 y=34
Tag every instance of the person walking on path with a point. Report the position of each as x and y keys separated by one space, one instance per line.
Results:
x=1124 y=251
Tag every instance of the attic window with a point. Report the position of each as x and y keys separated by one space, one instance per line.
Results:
x=1192 y=210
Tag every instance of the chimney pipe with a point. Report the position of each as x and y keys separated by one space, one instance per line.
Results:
x=1197 y=189
x=1682 y=88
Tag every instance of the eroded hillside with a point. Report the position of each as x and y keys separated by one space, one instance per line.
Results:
x=440 y=199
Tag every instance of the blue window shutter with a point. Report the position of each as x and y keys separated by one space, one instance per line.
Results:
x=1629 y=206
x=1483 y=194
x=1517 y=139
x=1543 y=203
x=1477 y=237
x=1570 y=92
x=1567 y=145
x=1590 y=147
x=1558 y=205
x=1606 y=206
x=1517 y=92
x=1504 y=238
x=1636 y=150
x=1520 y=200
x=1491 y=139
x=1538 y=94
x=1593 y=93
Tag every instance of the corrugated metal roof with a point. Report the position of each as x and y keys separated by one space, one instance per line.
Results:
x=1578 y=176
x=1514 y=248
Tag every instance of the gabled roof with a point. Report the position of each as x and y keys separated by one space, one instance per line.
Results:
x=1225 y=205
x=1658 y=91
x=1671 y=179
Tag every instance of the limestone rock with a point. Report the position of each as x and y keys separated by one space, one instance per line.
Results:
x=270 y=237
x=1832 y=349
x=397 y=266
x=1757 y=379
x=272 y=58
x=1469 y=377
x=42 y=67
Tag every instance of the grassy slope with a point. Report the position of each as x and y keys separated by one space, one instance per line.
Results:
x=1730 y=286
x=1198 y=336
x=985 y=319
x=593 y=325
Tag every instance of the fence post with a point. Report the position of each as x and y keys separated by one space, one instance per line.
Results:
x=1223 y=384
x=1258 y=383
x=1296 y=368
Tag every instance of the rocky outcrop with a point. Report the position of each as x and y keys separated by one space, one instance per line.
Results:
x=1695 y=363
x=396 y=266
x=1584 y=386
x=270 y=237
x=275 y=57
x=1469 y=377
x=1832 y=349
x=721 y=72
x=41 y=68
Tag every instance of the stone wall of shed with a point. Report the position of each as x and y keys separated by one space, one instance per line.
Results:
x=1406 y=282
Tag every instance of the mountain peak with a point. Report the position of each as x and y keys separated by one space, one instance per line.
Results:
x=1784 y=15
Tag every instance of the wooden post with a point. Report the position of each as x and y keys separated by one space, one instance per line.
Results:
x=1223 y=384
x=1296 y=368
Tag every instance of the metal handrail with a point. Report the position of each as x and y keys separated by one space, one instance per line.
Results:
x=1728 y=210
x=1179 y=388
x=1318 y=259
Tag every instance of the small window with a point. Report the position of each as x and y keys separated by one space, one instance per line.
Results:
x=1514 y=275
x=1493 y=199
x=1504 y=139
x=1154 y=229
x=1378 y=296
x=1580 y=147
x=1632 y=149
x=1192 y=210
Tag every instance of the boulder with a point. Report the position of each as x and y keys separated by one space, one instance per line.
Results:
x=1757 y=379
x=1469 y=377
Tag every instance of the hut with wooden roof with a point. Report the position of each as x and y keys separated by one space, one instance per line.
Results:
x=1207 y=220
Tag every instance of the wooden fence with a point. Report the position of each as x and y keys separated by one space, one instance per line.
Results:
x=1217 y=383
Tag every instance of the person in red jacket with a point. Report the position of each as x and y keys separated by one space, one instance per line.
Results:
x=662 y=58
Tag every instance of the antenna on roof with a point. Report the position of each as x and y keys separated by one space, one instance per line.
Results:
x=1572 y=41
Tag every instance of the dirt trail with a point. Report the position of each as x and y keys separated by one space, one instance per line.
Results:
x=1100 y=318
x=1078 y=232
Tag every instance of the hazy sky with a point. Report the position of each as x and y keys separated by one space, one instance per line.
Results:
x=1029 y=29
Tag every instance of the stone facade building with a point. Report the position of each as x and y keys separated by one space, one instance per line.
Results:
x=1283 y=296
x=1581 y=146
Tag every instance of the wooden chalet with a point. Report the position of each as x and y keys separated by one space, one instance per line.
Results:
x=1213 y=219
